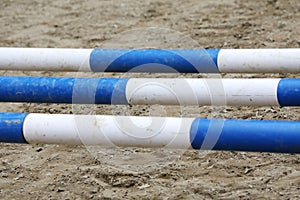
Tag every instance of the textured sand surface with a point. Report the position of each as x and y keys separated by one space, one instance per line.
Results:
x=68 y=172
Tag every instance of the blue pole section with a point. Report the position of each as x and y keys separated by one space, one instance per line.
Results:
x=288 y=92
x=63 y=90
x=247 y=135
x=155 y=60
x=11 y=127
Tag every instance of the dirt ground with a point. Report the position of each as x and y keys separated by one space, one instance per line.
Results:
x=79 y=172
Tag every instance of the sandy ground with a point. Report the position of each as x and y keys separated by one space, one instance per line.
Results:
x=77 y=172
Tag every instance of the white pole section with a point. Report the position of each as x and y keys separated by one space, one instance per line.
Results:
x=259 y=60
x=107 y=130
x=242 y=92
x=47 y=59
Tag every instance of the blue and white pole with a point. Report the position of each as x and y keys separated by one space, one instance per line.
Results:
x=141 y=91
x=184 y=133
x=152 y=60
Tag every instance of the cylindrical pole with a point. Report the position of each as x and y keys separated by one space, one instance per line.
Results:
x=152 y=60
x=143 y=91
x=164 y=132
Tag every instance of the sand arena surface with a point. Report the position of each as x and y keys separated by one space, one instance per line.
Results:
x=68 y=172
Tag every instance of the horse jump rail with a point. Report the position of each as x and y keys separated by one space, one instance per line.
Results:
x=168 y=132
x=143 y=91
x=152 y=60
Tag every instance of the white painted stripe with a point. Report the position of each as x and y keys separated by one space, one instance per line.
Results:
x=108 y=130
x=51 y=59
x=248 y=92
x=259 y=60
x=251 y=92
x=166 y=91
x=46 y=128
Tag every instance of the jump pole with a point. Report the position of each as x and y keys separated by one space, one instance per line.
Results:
x=140 y=91
x=167 y=132
x=152 y=60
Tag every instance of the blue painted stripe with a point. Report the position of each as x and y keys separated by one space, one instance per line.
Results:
x=63 y=90
x=11 y=127
x=155 y=60
x=249 y=135
x=288 y=92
